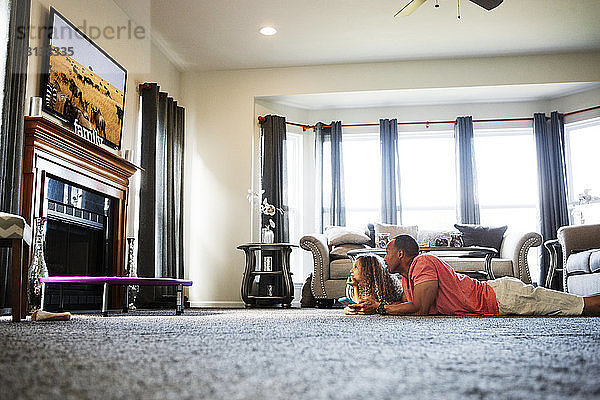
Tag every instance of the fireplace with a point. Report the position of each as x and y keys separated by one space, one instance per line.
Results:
x=78 y=242
x=82 y=190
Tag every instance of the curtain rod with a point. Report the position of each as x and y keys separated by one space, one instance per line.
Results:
x=427 y=123
x=580 y=111
x=435 y=122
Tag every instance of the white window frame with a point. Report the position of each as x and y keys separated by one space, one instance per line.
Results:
x=576 y=216
x=569 y=128
x=499 y=131
x=294 y=139
x=508 y=132
x=437 y=134
x=359 y=137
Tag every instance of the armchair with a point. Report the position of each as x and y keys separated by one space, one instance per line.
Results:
x=580 y=248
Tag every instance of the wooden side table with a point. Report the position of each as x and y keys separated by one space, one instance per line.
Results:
x=267 y=279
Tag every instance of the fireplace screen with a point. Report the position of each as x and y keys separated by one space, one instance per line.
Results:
x=78 y=242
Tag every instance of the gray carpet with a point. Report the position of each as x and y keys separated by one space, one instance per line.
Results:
x=299 y=354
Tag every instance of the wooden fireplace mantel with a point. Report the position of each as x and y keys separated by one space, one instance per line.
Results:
x=50 y=150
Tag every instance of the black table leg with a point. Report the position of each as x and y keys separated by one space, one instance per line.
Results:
x=61 y=298
x=43 y=296
x=105 y=301
x=180 y=300
x=126 y=299
x=488 y=266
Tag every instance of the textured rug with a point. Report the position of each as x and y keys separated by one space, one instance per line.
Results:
x=299 y=354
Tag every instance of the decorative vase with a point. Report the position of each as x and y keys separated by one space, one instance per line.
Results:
x=37 y=268
x=268 y=236
x=131 y=272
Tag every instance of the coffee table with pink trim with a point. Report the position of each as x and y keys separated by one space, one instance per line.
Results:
x=117 y=280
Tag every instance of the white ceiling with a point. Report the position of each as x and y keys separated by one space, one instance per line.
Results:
x=419 y=97
x=223 y=34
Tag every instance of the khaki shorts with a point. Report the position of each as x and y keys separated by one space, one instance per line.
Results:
x=517 y=298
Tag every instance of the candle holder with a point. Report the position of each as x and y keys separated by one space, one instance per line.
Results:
x=132 y=272
x=37 y=268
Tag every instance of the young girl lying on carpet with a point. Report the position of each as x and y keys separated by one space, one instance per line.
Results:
x=370 y=279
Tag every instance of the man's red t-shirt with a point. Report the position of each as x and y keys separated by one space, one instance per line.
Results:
x=457 y=294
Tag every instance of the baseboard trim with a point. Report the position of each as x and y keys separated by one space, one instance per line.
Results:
x=240 y=304
x=217 y=304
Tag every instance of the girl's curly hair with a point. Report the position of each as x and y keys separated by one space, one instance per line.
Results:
x=379 y=283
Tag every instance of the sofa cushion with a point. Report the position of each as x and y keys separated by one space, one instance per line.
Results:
x=484 y=236
x=341 y=251
x=500 y=266
x=340 y=269
x=337 y=235
x=584 y=285
x=580 y=263
x=595 y=261
x=395 y=230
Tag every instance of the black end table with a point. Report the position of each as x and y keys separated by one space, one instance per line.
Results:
x=267 y=279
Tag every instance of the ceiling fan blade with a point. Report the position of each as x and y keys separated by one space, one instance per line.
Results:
x=487 y=4
x=409 y=8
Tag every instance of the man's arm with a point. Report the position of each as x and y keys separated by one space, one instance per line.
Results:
x=424 y=296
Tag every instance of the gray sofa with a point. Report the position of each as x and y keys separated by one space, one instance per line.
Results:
x=581 y=258
x=330 y=273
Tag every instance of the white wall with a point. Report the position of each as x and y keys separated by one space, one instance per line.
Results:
x=579 y=101
x=222 y=132
x=141 y=58
x=446 y=112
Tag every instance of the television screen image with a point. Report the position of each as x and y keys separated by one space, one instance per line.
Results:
x=83 y=83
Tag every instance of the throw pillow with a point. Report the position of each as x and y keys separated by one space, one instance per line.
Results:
x=484 y=236
x=395 y=230
x=337 y=235
x=341 y=251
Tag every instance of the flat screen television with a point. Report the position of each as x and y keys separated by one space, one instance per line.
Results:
x=82 y=83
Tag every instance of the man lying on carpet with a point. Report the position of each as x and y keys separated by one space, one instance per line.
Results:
x=432 y=287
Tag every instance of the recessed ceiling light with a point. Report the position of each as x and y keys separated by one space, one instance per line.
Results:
x=268 y=30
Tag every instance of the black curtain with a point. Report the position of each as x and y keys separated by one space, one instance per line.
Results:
x=12 y=128
x=468 y=202
x=391 y=211
x=338 y=202
x=319 y=139
x=552 y=183
x=160 y=246
x=274 y=174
